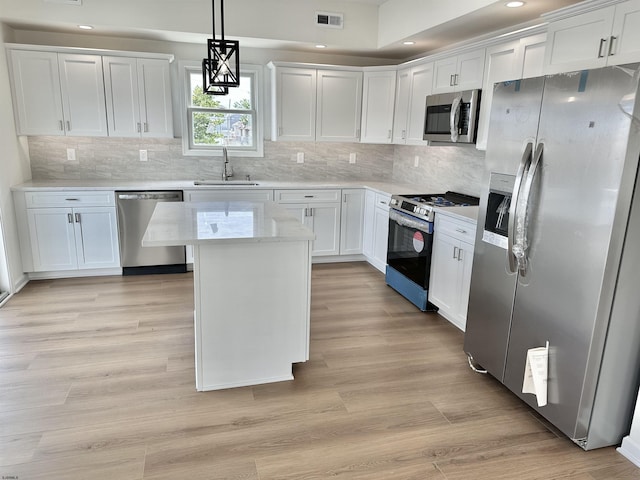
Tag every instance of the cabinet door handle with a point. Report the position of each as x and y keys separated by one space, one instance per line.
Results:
x=404 y=134
x=451 y=81
x=61 y=126
x=602 y=42
x=69 y=218
x=68 y=125
x=459 y=254
x=138 y=127
x=77 y=218
x=455 y=252
x=279 y=131
x=344 y=198
x=389 y=135
x=311 y=212
x=456 y=77
x=611 y=40
x=146 y=127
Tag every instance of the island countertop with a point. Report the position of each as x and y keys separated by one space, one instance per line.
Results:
x=194 y=223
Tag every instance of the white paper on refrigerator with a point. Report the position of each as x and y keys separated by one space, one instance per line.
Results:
x=535 y=374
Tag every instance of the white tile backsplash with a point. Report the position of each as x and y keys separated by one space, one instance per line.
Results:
x=440 y=168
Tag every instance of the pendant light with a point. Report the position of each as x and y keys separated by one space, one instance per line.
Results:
x=221 y=68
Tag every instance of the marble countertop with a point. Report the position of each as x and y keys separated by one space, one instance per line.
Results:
x=468 y=214
x=194 y=223
x=388 y=188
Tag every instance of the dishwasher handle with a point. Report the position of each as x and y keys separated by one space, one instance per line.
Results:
x=162 y=196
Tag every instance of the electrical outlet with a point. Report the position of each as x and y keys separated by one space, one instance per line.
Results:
x=71 y=154
x=352 y=158
x=416 y=161
x=300 y=157
x=143 y=156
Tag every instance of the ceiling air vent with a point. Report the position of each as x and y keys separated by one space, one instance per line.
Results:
x=331 y=20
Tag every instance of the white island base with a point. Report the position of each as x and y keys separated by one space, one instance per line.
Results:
x=251 y=312
x=252 y=283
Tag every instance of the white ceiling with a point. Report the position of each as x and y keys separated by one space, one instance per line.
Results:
x=373 y=28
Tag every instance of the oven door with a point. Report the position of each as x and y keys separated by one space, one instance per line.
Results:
x=409 y=247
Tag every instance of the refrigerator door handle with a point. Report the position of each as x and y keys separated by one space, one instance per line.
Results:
x=521 y=228
x=525 y=162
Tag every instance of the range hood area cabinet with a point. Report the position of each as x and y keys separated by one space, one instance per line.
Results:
x=315 y=104
x=63 y=91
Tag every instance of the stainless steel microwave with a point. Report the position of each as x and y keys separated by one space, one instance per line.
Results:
x=452 y=117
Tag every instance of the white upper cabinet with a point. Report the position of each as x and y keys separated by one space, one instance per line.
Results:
x=378 y=96
x=508 y=61
x=36 y=93
x=608 y=36
x=412 y=87
x=58 y=94
x=339 y=106
x=138 y=93
x=316 y=104
x=294 y=109
x=460 y=72
x=83 y=100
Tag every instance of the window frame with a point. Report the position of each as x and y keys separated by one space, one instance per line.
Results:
x=188 y=149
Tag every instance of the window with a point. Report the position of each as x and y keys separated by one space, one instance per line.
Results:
x=215 y=121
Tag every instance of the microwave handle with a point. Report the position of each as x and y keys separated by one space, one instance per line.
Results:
x=454 y=119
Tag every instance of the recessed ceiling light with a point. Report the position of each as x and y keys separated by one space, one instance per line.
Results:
x=514 y=4
x=408 y=43
x=321 y=46
x=85 y=27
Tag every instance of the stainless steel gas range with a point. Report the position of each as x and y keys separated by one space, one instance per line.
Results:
x=411 y=241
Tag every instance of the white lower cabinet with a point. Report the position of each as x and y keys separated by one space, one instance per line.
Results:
x=71 y=238
x=451 y=263
x=376 y=229
x=351 y=221
x=320 y=211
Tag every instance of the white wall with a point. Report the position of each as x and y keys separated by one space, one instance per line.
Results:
x=395 y=25
x=278 y=20
x=14 y=168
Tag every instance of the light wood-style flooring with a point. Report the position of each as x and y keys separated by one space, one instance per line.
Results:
x=97 y=382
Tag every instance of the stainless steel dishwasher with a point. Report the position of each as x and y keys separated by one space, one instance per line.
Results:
x=134 y=212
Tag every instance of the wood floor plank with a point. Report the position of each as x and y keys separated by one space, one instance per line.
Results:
x=97 y=381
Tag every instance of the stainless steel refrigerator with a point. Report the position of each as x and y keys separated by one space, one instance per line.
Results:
x=557 y=256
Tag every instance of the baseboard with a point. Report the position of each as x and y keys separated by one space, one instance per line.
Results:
x=630 y=450
x=338 y=258
x=75 y=273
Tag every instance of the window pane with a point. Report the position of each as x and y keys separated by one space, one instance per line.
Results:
x=230 y=129
x=239 y=98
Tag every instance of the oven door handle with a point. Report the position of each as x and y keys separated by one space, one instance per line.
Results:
x=412 y=222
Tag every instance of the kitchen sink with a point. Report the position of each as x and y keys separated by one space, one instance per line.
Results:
x=224 y=183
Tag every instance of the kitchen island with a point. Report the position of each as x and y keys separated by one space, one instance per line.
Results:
x=252 y=285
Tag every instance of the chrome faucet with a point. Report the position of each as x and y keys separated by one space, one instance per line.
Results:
x=227 y=170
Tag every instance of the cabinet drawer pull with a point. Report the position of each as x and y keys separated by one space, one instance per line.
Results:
x=460 y=230
x=309 y=196
x=602 y=42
